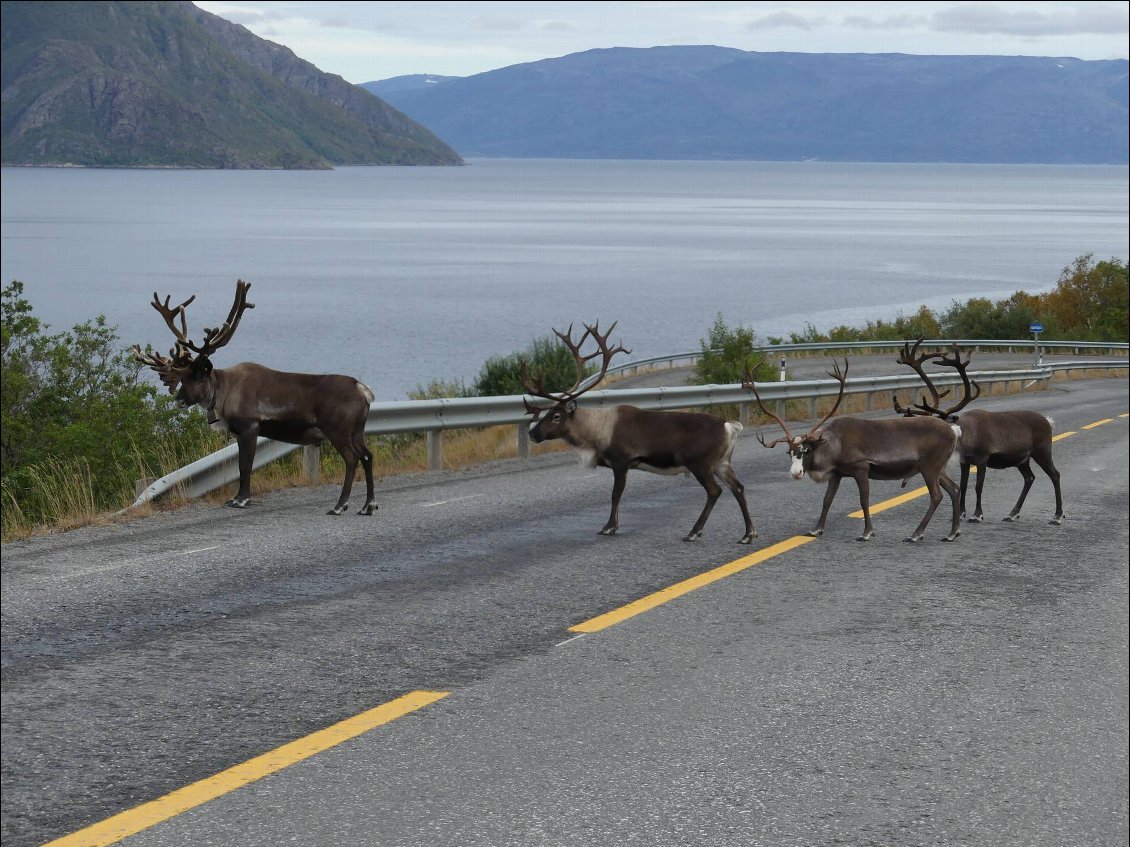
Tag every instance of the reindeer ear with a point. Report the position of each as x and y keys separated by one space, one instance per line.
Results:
x=571 y=407
x=202 y=366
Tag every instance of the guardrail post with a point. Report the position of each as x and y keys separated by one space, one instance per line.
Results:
x=812 y=408
x=781 y=409
x=523 y=441
x=435 y=449
x=312 y=462
x=743 y=414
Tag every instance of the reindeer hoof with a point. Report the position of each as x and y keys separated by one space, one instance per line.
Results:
x=814 y=533
x=748 y=539
x=1011 y=519
x=336 y=510
x=952 y=537
x=367 y=509
x=237 y=503
x=1056 y=521
x=976 y=519
x=867 y=536
x=693 y=536
x=912 y=539
x=607 y=531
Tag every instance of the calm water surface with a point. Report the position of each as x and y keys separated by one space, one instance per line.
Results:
x=402 y=275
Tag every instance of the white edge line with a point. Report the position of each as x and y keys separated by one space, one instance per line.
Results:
x=452 y=500
x=567 y=640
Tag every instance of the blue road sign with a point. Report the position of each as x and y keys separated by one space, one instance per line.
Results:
x=1035 y=327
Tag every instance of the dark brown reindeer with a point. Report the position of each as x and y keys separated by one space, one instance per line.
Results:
x=249 y=400
x=624 y=437
x=865 y=449
x=1011 y=439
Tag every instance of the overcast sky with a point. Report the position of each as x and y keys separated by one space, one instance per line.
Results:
x=366 y=41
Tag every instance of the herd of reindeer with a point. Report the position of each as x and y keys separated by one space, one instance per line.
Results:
x=249 y=401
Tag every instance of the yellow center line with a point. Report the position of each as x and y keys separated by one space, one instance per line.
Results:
x=665 y=595
x=894 y=501
x=133 y=821
x=1099 y=423
x=1063 y=435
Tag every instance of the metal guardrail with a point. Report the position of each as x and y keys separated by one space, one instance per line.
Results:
x=437 y=416
x=1074 y=348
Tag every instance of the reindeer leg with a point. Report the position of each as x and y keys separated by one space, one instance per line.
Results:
x=620 y=478
x=863 y=483
x=367 y=465
x=951 y=489
x=713 y=492
x=829 y=496
x=738 y=490
x=366 y=462
x=1025 y=469
x=1044 y=460
x=964 y=488
x=247 y=440
x=979 y=486
x=349 y=456
x=935 y=499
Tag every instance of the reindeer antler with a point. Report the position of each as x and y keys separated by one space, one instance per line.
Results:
x=214 y=339
x=604 y=351
x=749 y=384
x=171 y=314
x=910 y=357
x=971 y=389
x=169 y=369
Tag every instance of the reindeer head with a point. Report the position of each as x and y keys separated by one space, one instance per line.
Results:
x=801 y=447
x=556 y=420
x=192 y=373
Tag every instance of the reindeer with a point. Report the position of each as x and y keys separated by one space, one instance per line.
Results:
x=867 y=449
x=988 y=439
x=625 y=437
x=249 y=400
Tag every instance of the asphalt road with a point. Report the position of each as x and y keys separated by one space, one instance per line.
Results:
x=839 y=693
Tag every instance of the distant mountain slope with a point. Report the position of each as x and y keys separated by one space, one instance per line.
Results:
x=130 y=84
x=721 y=103
x=404 y=83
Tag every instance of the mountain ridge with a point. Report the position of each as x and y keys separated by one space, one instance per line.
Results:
x=166 y=84
x=709 y=102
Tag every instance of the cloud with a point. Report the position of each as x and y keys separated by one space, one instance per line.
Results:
x=784 y=20
x=557 y=26
x=990 y=19
x=497 y=23
x=893 y=22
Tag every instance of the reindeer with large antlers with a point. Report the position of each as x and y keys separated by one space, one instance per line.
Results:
x=249 y=400
x=866 y=449
x=1012 y=439
x=625 y=437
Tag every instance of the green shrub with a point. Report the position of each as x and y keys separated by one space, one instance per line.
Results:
x=727 y=354
x=546 y=358
x=74 y=408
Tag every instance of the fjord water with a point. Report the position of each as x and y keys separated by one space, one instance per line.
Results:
x=402 y=275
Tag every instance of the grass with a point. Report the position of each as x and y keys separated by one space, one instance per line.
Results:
x=63 y=492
